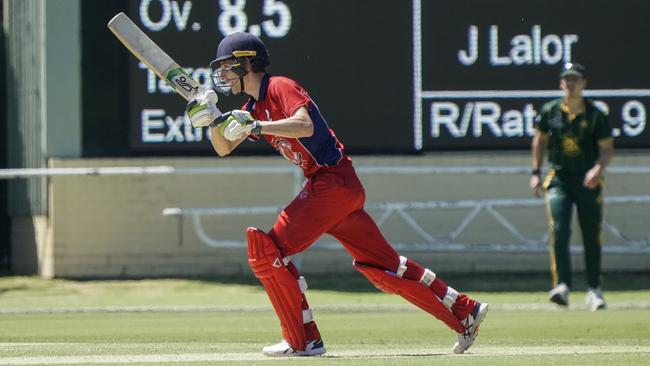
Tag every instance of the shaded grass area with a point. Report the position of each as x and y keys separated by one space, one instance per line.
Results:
x=485 y=282
x=32 y=292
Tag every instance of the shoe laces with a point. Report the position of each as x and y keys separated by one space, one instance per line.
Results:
x=467 y=332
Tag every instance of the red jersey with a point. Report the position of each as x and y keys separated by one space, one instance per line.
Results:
x=280 y=98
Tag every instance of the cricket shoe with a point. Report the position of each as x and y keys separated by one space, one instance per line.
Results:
x=472 y=322
x=284 y=349
x=560 y=294
x=595 y=300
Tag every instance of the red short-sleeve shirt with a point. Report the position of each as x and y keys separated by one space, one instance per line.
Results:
x=279 y=98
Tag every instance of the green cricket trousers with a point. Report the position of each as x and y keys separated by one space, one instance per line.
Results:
x=563 y=191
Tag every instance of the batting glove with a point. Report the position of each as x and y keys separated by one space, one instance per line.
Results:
x=238 y=124
x=203 y=111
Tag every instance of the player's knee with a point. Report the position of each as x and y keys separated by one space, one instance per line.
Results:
x=263 y=253
x=397 y=270
x=377 y=276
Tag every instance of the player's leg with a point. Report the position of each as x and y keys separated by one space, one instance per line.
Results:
x=590 y=216
x=363 y=239
x=324 y=201
x=285 y=288
x=389 y=272
x=321 y=203
x=559 y=206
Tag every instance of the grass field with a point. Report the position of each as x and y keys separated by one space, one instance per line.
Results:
x=184 y=322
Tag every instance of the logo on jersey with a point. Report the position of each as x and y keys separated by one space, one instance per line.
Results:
x=303 y=195
x=570 y=146
x=284 y=147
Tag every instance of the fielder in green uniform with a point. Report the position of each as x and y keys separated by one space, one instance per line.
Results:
x=578 y=138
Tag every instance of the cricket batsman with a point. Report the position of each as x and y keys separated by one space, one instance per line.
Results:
x=280 y=111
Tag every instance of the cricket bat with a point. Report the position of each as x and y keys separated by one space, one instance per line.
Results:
x=147 y=51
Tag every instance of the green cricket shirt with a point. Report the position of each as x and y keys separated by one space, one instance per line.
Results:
x=573 y=140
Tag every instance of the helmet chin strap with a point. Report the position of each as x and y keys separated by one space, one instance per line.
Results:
x=241 y=84
x=241 y=80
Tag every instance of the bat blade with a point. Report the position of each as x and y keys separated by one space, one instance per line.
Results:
x=148 y=52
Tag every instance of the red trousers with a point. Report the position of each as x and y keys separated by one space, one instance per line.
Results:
x=332 y=202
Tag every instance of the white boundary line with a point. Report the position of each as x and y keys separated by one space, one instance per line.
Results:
x=432 y=352
x=334 y=308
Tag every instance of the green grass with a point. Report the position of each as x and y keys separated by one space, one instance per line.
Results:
x=355 y=335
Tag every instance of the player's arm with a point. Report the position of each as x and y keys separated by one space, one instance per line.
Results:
x=539 y=147
x=297 y=126
x=221 y=145
x=238 y=125
x=606 y=151
x=605 y=140
x=203 y=112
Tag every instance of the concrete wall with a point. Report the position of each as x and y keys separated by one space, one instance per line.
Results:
x=112 y=226
x=43 y=119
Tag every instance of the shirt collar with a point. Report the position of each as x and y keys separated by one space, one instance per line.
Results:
x=565 y=108
x=264 y=85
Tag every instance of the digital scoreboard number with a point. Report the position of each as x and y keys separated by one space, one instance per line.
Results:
x=339 y=50
x=189 y=31
x=431 y=74
x=487 y=67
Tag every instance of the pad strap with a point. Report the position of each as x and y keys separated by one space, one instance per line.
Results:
x=402 y=266
x=302 y=283
x=450 y=297
x=412 y=291
x=307 y=316
x=427 y=277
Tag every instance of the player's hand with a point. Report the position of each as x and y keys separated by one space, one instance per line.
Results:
x=592 y=177
x=202 y=111
x=232 y=130
x=536 y=185
x=239 y=124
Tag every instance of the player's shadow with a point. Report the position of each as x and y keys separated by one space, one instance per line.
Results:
x=472 y=282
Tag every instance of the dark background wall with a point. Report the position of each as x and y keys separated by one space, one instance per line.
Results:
x=354 y=79
x=516 y=50
x=356 y=59
x=104 y=91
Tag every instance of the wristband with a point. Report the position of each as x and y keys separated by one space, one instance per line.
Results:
x=257 y=128
x=536 y=171
x=256 y=132
x=220 y=119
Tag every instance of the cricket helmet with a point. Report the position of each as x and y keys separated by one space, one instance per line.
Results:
x=238 y=46
x=243 y=45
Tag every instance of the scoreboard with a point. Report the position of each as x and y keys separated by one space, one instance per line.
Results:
x=403 y=76
x=320 y=43
x=483 y=69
